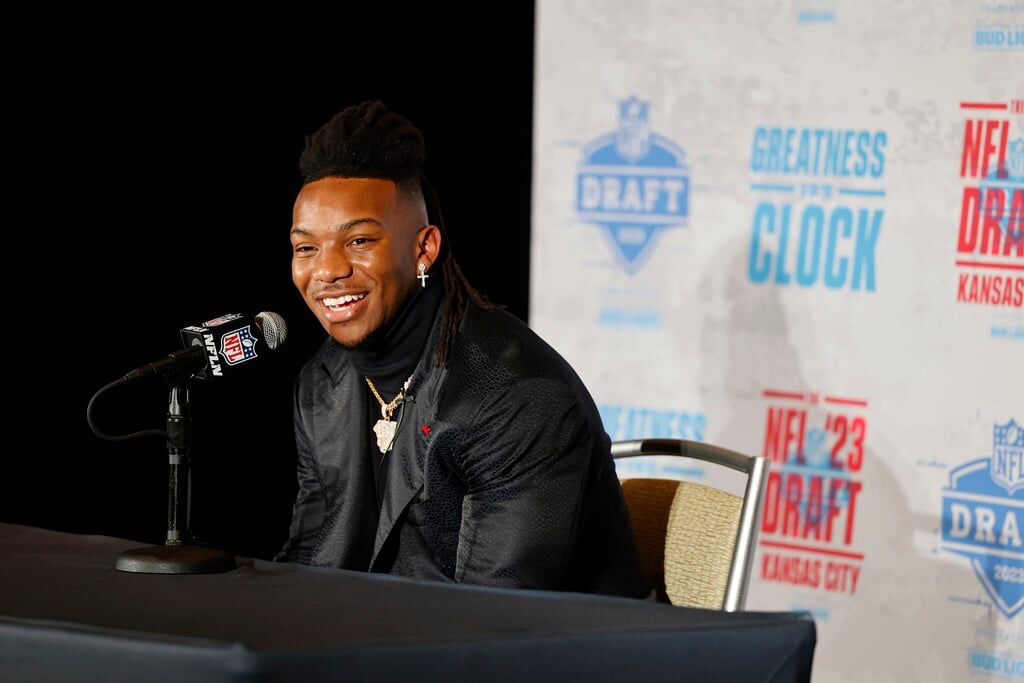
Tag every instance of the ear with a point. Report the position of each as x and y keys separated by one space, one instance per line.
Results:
x=428 y=245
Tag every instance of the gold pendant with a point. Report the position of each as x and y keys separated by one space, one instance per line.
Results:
x=385 y=431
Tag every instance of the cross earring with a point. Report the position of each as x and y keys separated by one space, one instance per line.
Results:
x=423 y=274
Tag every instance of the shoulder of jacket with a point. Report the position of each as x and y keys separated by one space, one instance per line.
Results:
x=510 y=346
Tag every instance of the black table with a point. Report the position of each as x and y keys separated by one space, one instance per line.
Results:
x=67 y=615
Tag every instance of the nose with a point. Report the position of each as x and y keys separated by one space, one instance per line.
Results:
x=332 y=263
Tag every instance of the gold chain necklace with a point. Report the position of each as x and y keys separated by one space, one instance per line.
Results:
x=385 y=428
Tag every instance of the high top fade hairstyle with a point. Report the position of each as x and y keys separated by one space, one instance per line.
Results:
x=369 y=140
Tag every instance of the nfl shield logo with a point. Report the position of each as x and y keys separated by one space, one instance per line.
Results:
x=1007 y=467
x=1015 y=162
x=634 y=138
x=1007 y=183
x=238 y=346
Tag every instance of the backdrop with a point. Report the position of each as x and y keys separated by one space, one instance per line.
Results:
x=795 y=229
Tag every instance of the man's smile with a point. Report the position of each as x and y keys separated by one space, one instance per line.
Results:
x=343 y=307
x=336 y=303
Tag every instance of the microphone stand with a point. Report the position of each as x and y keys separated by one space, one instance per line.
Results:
x=177 y=555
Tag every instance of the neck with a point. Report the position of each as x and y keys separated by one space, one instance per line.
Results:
x=389 y=357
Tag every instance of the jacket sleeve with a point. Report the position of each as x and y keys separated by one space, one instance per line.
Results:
x=308 y=510
x=526 y=463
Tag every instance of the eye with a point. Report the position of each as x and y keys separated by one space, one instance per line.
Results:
x=304 y=249
x=360 y=241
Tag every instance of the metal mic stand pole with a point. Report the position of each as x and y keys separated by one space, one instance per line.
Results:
x=176 y=556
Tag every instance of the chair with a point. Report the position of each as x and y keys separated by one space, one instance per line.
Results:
x=696 y=542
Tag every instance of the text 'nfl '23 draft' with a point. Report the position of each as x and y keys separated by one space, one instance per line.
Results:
x=990 y=239
x=816 y=444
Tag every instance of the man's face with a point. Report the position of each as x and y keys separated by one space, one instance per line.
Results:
x=356 y=243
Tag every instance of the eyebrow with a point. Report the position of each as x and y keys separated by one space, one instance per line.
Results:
x=347 y=225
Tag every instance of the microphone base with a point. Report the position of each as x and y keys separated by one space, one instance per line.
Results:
x=175 y=559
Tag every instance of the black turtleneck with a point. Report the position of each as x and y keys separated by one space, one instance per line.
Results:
x=389 y=357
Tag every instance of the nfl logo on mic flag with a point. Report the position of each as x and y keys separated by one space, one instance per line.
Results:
x=238 y=346
x=228 y=340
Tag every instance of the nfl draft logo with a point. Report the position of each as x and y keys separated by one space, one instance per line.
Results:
x=982 y=510
x=633 y=184
x=238 y=346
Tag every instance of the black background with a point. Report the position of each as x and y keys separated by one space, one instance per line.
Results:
x=159 y=172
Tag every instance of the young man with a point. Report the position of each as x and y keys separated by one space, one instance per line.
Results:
x=438 y=437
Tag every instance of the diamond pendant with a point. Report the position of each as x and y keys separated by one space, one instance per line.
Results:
x=385 y=431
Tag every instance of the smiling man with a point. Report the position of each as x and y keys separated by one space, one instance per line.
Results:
x=438 y=437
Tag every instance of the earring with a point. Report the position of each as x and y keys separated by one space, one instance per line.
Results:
x=423 y=274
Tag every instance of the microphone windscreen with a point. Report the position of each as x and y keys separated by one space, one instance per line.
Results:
x=273 y=328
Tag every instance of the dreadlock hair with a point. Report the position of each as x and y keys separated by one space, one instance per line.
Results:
x=368 y=140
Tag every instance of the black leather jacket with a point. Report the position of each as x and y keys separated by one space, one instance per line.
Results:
x=500 y=473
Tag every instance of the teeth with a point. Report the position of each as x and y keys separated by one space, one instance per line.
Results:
x=342 y=300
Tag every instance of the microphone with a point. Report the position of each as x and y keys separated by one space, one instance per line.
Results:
x=218 y=347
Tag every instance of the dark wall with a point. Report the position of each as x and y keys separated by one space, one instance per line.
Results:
x=162 y=153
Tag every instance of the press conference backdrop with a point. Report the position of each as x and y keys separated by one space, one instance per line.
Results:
x=795 y=229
